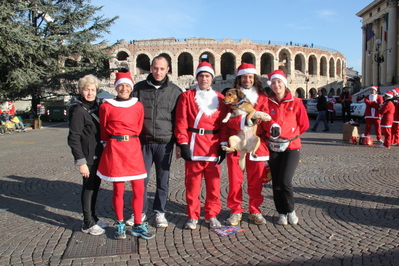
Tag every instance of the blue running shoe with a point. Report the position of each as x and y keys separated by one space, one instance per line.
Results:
x=120 y=230
x=142 y=231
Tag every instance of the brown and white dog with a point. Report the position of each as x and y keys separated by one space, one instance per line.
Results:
x=246 y=140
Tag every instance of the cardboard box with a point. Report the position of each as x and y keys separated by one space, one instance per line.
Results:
x=349 y=131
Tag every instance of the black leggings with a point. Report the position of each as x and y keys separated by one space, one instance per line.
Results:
x=90 y=189
x=282 y=167
x=330 y=117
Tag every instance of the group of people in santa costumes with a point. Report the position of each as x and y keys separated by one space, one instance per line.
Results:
x=382 y=113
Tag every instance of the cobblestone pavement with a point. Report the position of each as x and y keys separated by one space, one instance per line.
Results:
x=346 y=199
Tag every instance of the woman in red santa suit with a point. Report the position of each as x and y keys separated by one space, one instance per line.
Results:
x=248 y=82
x=373 y=102
x=121 y=121
x=199 y=132
x=387 y=111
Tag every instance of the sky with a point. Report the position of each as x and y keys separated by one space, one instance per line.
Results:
x=330 y=24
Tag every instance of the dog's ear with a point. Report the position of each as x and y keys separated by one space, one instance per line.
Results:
x=240 y=94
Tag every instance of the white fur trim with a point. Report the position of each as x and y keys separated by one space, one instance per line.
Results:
x=123 y=104
x=205 y=69
x=207 y=101
x=278 y=76
x=124 y=80
x=246 y=71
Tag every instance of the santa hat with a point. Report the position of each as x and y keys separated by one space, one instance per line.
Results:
x=277 y=74
x=373 y=88
x=205 y=67
x=246 y=68
x=123 y=77
x=395 y=91
x=389 y=94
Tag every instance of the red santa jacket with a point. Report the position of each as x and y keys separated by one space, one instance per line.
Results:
x=290 y=114
x=387 y=111
x=238 y=123
x=192 y=124
x=372 y=106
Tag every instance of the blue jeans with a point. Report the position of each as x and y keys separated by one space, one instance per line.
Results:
x=321 y=116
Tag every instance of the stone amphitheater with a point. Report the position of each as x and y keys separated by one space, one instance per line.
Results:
x=308 y=68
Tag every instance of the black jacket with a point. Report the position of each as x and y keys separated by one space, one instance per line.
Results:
x=321 y=103
x=159 y=110
x=84 y=132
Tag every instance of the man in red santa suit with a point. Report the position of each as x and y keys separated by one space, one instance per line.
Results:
x=387 y=111
x=395 y=125
x=248 y=82
x=199 y=132
x=373 y=102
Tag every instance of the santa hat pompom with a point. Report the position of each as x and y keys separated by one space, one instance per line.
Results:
x=277 y=74
x=205 y=67
x=246 y=68
x=123 y=77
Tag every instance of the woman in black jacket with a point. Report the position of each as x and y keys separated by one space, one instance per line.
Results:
x=84 y=141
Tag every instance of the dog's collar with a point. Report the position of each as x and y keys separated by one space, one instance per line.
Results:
x=240 y=102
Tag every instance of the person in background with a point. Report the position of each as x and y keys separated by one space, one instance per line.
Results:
x=200 y=133
x=346 y=99
x=159 y=98
x=289 y=121
x=84 y=141
x=11 y=108
x=121 y=121
x=322 y=109
x=395 y=124
x=372 y=116
x=248 y=82
x=330 y=108
x=387 y=111
x=19 y=125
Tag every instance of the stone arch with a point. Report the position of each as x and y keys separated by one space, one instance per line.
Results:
x=207 y=56
x=339 y=68
x=248 y=57
x=185 y=64
x=143 y=64
x=266 y=64
x=323 y=66
x=338 y=91
x=300 y=93
x=312 y=93
x=169 y=58
x=299 y=62
x=332 y=67
x=227 y=64
x=284 y=61
x=324 y=91
x=331 y=91
x=85 y=62
x=312 y=65
x=122 y=56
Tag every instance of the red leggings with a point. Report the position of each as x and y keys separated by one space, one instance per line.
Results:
x=137 y=199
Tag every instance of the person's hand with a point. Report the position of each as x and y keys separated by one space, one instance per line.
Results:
x=185 y=152
x=178 y=152
x=84 y=170
x=221 y=155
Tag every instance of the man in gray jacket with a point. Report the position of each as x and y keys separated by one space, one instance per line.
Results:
x=159 y=97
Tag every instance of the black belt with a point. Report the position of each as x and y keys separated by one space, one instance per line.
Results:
x=202 y=131
x=122 y=138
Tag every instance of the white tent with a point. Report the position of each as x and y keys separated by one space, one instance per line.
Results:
x=102 y=94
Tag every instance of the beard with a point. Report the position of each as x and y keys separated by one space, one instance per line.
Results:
x=207 y=101
x=251 y=94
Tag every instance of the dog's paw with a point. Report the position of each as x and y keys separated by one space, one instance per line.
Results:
x=254 y=155
x=225 y=120
x=250 y=123
x=225 y=148
x=262 y=116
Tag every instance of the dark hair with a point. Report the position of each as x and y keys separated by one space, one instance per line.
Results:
x=257 y=84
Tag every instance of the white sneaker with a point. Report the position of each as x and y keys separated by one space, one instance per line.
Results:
x=213 y=223
x=292 y=218
x=95 y=230
x=191 y=224
x=382 y=146
x=102 y=224
x=160 y=219
x=282 y=219
x=130 y=222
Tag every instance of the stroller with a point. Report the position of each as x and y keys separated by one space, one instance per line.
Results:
x=7 y=127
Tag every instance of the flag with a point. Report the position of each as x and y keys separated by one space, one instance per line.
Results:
x=369 y=33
